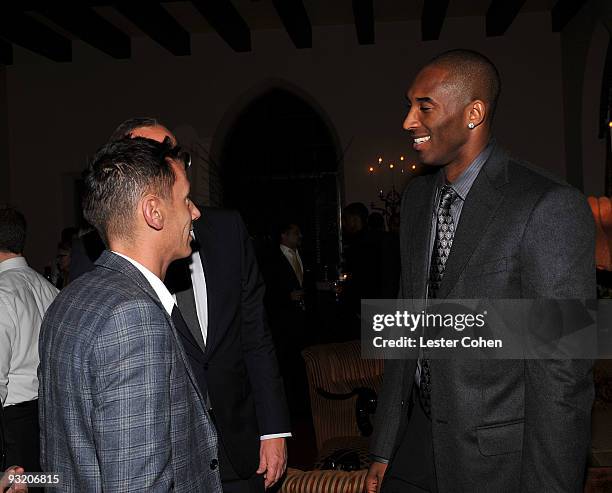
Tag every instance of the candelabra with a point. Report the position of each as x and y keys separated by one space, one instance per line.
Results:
x=388 y=203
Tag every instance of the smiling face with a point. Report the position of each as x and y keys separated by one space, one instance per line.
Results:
x=181 y=212
x=437 y=119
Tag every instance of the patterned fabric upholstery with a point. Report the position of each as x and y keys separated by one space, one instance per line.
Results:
x=323 y=481
x=338 y=368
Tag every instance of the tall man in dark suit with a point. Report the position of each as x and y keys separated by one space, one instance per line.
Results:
x=220 y=292
x=468 y=425
x=120 y=407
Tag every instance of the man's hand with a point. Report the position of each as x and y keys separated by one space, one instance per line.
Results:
x=375 y=476
x=5 y=483
x=272 y=460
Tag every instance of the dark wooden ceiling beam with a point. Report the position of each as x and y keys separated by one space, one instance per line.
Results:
x=25 y=31
x=363 y=12
x=90 y=27
x=501 y=15
x=294 y=17
x=158 y=24
x=227 y=21
x=6 y=52
x=563 y=12
x=434 y=12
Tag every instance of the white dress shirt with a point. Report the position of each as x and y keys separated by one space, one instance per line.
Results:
x=25 y=296
x=200 y=295
x=290 y=254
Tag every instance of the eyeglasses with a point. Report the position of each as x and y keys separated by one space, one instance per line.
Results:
x=182 y=155
x=185 y=156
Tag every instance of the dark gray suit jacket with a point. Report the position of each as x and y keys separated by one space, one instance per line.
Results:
x=119 y=408
x=500 y=425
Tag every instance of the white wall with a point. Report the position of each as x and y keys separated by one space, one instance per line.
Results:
x=60 y=113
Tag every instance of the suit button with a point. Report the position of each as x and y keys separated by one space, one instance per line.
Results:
x=402 y=403
x=214 y=464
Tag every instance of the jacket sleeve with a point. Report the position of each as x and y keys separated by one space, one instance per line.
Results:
x=257 y=345
x=130 y=372
x=389 y=411
x=557 y=262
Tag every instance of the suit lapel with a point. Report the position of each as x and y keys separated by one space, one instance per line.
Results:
x=178 y=281
x=481 y=204
x=205 y=241
x=418 y=236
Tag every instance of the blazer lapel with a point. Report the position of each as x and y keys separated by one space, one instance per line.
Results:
x=418 y=237
x=205 y=242
x=178 y=281
x=479 y=208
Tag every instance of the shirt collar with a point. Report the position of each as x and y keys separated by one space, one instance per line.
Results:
x=156 y=283
x=464 y=182
x=13 y=263
x=286 y=249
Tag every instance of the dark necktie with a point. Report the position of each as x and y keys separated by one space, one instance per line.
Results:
x=445 y=232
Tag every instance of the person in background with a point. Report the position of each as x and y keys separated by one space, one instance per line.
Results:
x=25 y=295
x=288 y=308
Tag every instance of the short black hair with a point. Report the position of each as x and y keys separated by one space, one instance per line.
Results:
x=284 y=227
x=358 y=209
x=121 y=173
x=12 y=230
x=128 y=126
x=474 y=75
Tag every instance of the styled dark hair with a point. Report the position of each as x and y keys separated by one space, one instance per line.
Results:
x=284 y=227
x=12 y=230
x=128 y=126
x=358 y=209
x=121 y=173
x=474 y=75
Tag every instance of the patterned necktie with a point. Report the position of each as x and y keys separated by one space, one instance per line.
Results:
x=445 y=232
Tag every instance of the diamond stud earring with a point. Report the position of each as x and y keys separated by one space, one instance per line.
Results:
x=471 y=125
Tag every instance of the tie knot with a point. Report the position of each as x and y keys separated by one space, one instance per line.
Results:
x=448 y=197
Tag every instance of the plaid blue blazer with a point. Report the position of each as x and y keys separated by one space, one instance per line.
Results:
x=119 y=407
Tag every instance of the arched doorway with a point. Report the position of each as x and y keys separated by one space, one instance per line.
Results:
x=279 y=163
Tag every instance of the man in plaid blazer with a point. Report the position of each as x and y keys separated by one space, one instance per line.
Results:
x=120 y=409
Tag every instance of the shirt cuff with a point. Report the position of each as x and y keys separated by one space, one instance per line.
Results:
x=275 y=435
x=376 y=458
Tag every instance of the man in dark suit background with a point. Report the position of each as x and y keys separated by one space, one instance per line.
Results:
x=120 y=409
x=220 y=292
x=288 y=307
x=484 y=226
